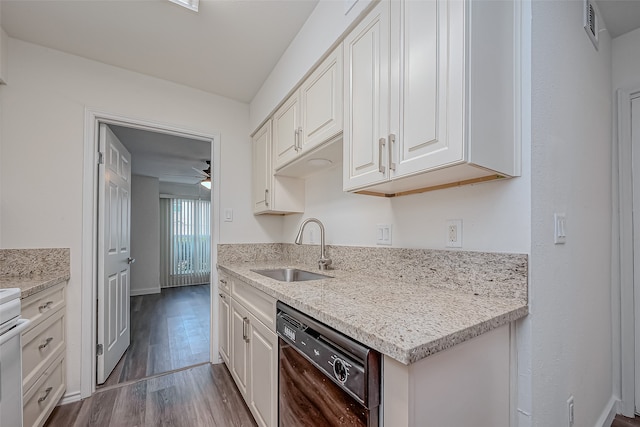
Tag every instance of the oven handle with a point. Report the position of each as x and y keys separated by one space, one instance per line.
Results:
x=11 y=333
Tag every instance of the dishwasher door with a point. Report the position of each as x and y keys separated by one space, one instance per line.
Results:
x=308 y=398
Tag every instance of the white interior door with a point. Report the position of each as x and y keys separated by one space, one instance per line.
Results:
x=114 y=219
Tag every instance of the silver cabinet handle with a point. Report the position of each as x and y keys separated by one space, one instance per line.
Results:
x=381 y=143
x=300 y=135
x=392 y=140
x=266 y=197
x=223 y=281
x=223 y=296
x=131 y=260
x=295 y=141
x=245 y=327
x=46 y=343
x=46 y=306
x=46 y=394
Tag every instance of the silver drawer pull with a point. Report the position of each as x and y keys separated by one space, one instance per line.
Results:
x=46 y=394
x=223 y=296
x=245 y=328
x=223 y=281
x=46 y=343
x=46 y=306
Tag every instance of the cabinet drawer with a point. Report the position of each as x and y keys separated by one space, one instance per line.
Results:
x=259 y=304
x=38 y=307
x=224 y=281
x=40 y=346
x=40 y=400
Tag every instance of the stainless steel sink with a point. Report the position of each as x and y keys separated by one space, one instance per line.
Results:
x=291 y=274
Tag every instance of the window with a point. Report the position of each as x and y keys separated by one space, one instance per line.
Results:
x=185 y=243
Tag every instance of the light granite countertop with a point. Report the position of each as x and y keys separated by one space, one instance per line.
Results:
x=30 y=285
x=34 y=270
x=406 y=321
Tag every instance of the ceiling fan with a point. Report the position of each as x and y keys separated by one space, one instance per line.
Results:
x=202 y=176
x=206 y=182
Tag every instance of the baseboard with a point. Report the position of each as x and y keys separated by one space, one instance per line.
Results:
x=70 y=398
x=609 y=413
x=147 y=291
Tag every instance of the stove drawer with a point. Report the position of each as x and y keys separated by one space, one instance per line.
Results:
x=41 y=399
x=40 y=345
x=41 y=305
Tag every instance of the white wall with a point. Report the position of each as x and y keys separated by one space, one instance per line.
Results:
x=145 y=235
x=323 y=27
x=626 y=61
x=41 y=169
x=571 y=173
x=495 y=215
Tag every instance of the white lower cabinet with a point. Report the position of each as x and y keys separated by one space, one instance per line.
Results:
x=252 y=356
x=43 y=354
x=224 y=309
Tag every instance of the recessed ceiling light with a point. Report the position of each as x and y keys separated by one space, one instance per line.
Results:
x=319 y=162
x=189 y=4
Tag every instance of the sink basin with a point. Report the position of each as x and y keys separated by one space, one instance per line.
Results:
x=291 y=274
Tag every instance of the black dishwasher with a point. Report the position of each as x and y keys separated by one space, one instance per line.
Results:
x=325 y=377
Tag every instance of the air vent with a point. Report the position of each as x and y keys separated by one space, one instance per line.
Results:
x=591 y=22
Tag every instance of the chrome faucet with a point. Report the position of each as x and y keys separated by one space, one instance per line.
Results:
x=323 y=262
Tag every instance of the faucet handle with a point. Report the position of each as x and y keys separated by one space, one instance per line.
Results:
x=324 y=263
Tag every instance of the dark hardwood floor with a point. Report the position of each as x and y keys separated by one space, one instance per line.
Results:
x=621 y=421
x=201 y=396
x=169 y=331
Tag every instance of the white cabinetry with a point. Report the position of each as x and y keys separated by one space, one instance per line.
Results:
x=224 y=308
x=272 y=194
x=4 y=56
x=366 y=119
x=468 y=384
x=43 y=354
x=253 y=350
x=446 y=71
x=312 y=115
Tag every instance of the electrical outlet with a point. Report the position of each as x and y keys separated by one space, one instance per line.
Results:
x=570 y=415
x=454 y=233
x=384 y=234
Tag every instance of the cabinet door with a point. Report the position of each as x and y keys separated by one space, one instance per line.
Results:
x=427 y=85
x=224 y=312
x=366 y=85
x=321 y=97
x=262 y=172
x=240 y=346
x=285 y=131
x=263 y=359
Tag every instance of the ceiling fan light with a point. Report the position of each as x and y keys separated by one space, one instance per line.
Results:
x=206 y=184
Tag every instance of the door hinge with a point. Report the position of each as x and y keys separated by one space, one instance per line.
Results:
x=99 y=350
x=100 y=158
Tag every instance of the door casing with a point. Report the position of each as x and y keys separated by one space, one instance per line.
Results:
x=93 y=118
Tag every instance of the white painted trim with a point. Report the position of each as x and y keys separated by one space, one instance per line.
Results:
x=625 y=208
x=513 y=375
x=608 y=414
x=146 y=291
x=70 y=398
x=90 y=231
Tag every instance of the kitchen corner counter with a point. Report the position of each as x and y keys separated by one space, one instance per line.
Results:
x=405 y=320
x=33 y=270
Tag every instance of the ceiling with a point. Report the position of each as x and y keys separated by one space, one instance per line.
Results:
x=228 y=48
x=620 y=16
x=167 y=157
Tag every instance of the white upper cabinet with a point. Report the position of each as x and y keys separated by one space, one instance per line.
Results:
x=312 y=115
x=366 y=95
x=429 y=96
x=272 y=194
x=4 y=56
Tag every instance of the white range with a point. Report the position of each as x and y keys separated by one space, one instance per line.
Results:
x=11 y=327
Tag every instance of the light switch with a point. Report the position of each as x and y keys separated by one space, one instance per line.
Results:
x=560 y=228
x=228 y=215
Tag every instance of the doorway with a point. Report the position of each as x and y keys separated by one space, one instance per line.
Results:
x=89 y=307
x=156 y=319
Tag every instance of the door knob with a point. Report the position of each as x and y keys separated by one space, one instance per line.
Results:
x=131 y=260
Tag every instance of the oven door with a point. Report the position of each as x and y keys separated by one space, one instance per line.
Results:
x=307 y=397
x=11 y=376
